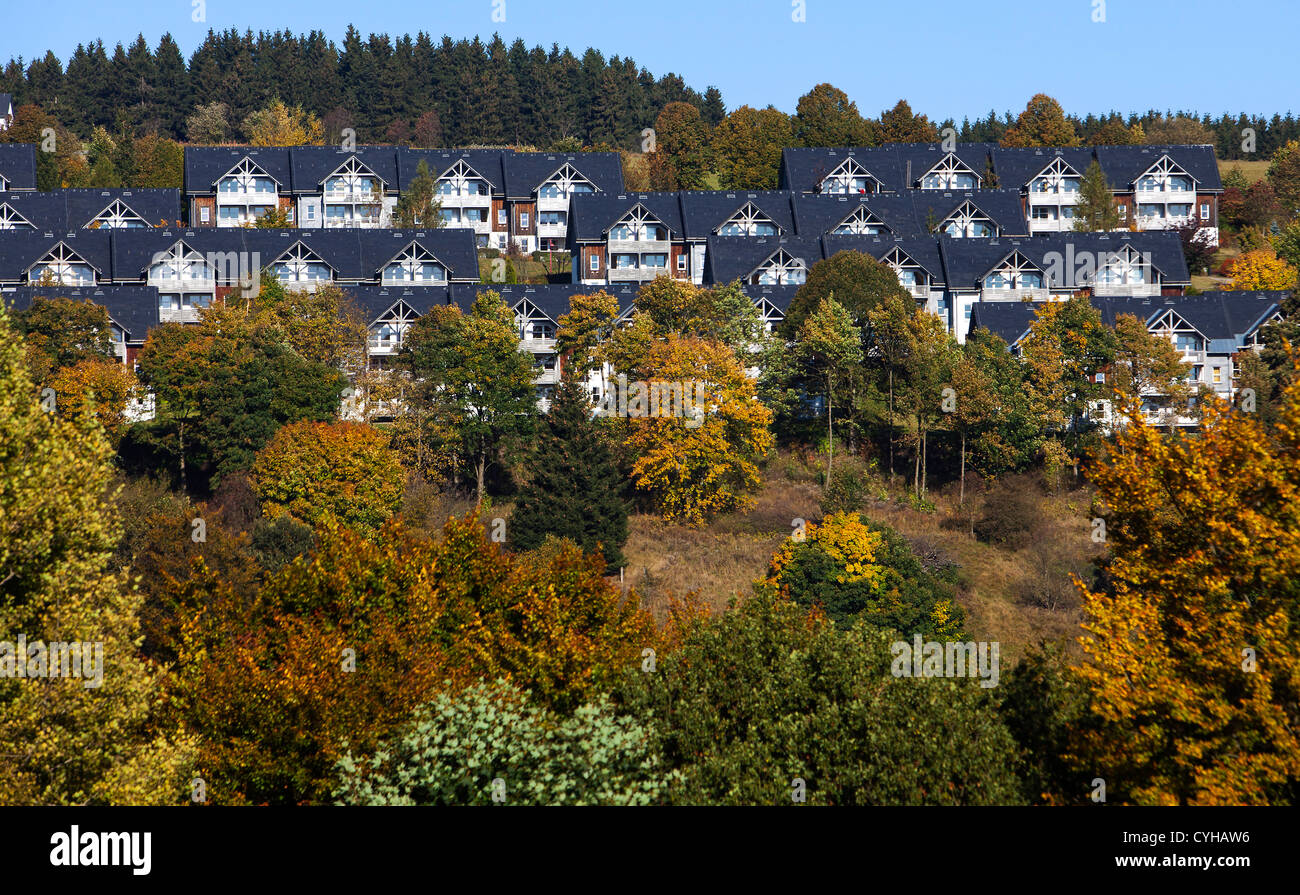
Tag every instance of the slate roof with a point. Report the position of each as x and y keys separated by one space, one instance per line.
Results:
x=923 y=250
x=18 y=165
x=133 y=308
x=736 y=257
x=311 y=165
x=525 y=172
x=487 y=162
x=20 y=249
x=43 y=210
x=205 y=165
x=1123 y=165
x=817 y=214
x=1002 y=207
x=134 y=250
x=154 y=205
x=375 y=300
x=1016 y=167
x=778 y=296
x=591 y=215
x=1009 y=320
x=704 y=211
x=918 y=158
x=967 y=261
x=804 y=168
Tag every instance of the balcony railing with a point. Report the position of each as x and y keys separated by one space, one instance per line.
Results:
x=639 y=246
x=178 y=315
x=1015 y=295
x=635 y=274
x=1120 y=289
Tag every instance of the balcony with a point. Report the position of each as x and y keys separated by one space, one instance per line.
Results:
x=178 y=315
x=635 y=274
x=638 y=246
x=554 y=203
x=547 y=377
x=384 y=346
x=353 y=196
x=1132 y=289
x=537 y=346
x=1015 y=295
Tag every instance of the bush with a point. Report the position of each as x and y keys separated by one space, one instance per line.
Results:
x=490 y=744
x=1011 y=513
x=847 y=490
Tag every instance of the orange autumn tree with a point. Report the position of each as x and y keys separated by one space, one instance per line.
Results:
x=336 y=650
x=1193 y=642
x=703 y=462
x=101 y=387
x=1261 y=269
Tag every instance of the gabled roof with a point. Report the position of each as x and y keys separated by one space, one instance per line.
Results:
x=915 y=159
x=205 y=165
x=778 y=297
x=374 y=301
x=967 y=261
x=20 y=249
x=922 y=250
x=43 y=210
x=454 y=247
x=1123 y=165
x=6 y=104
x=736 y=257
x=525 y=172
x=135 y=250
x=133 y=308
x=818 y=214
x=487 y=163
x=154 y=205
x=1015 y=167
x=18 y=165
x=551 y=299
x=999 y=205
x=311 y=165
x=804 y=168
x=591 y=215
x=704 y=211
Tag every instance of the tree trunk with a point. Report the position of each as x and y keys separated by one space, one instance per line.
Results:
x=830 y=429
x=961 y=498
x=890 y=422
x=482 y=466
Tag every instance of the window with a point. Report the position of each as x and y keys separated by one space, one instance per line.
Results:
x=1217 y=375
x=288 y=215
x=1205 y=211
x=501 y=216
x=595 y=263
x=523 y=220
x=1188 y=342
x=654 y=261
x=204 y=214
x=1044 y=212
x=1101 y=377
x=476 y=215
x=542 y=330
x=681 y=261
x=1123 y=212
x=451 y=215
x=311 y=212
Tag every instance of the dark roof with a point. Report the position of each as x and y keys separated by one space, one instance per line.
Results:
x=1226 y=318
x=591 y=215
x=134 y=250
x=154 y=205
x=375 y=300
x=1001 y=206
x=525 y=172
x=20 y=249
x=736 y=257
x=778 y=296
x=487 y=162
x=704 y=211
x=43 y=210
x=205 y=165
x=1016 y=167
x=804 y=168
x=1123 y=165
x=312 y=164
x=967 y=261
x=18 y=165
x=1009 y=320
x=817 y=214
x=6 y=104
x=133 y=308
x=914 y=159
x=923 y=250
x=454 y=247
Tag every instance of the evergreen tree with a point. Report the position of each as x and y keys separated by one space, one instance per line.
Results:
x=573 y=483
x=1096 y=209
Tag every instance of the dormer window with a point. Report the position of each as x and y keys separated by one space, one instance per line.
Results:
x=749 y=221
x=564 y=183
x=462 y=180
x=1165 y=176
x=1016 y=272
x=950 y=174
x=181 y=263
x=1056 y=179
x=969 y=221
x=301 y=265
x=862 y=222
x=353 y=181
x=781 y=269
x=12 y=220
x=414 y=265
x=246 y=179
x=638 y=225
x=117 y=216
x=61 y=267
x=849 y=178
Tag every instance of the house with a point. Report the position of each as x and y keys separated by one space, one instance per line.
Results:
x=1048 y=181
x=17 y=166
x=470 y=186
x=56 y=258
x=72 y=209
x=6 y=111
x=1158 y=187
x=627 y=238
x=538 y=187
x=233 y=186
x=333 y=187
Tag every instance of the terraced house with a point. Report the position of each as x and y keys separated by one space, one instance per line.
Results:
x=76 y=209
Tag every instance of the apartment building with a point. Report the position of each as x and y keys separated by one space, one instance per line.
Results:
x=335 y=188
x=539 y=185
x=627 y=238
x=1211 y=332
x=76 y=209
x=1155 y=187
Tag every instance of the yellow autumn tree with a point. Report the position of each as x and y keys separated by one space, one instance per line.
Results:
x=101 y=387
x=281 y=125
x=1193 y=641
x=700 y=457
x=1262 y=269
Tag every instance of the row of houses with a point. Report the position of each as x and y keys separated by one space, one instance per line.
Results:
x=1154 y=187
x=89 y=209
x=523 y=197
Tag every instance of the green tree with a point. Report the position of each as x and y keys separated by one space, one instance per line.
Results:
x=418 y=206
x=473 y=381
x=900 y=125
x=571 y=485
x=830 y=347
x=59 y=333
x=747 y=146
x=768 y=692
x=681 y=157
x=457 y=745
x=856 y=280
x=1284 y=175
x=825 y=116
x=1096 y=210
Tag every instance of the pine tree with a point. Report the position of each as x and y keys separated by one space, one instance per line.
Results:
x=573 y=483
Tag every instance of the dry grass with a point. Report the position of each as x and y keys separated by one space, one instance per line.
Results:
x=1254 y=170
x=722 y=560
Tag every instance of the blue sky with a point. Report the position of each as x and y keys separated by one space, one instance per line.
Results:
x=947 y=58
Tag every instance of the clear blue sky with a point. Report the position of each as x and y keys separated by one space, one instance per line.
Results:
x=947 y=58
